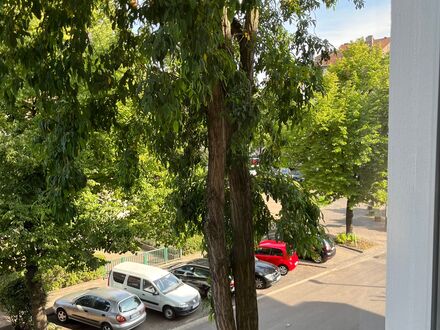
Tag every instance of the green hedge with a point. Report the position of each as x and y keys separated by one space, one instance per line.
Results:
x=58 y=277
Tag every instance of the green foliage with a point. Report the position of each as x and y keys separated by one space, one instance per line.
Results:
x=343 y=238
x=14 y=301
x=341 y=146
x=58 y=277
x=87 y=85
x=193 y=244
x=298 y=221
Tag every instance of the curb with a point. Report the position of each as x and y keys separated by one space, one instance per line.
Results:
x=343 y=265
x=351 y=248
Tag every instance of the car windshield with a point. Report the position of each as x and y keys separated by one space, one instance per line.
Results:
x=167 y=283
x=129 y=304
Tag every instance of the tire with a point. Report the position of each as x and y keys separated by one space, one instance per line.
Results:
x=283 y=270
x=106 y=326
x=317 y=259
x=62 y=315
x=260 y=283
x=169 y=312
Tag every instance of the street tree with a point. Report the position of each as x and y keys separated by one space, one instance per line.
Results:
x=341 y=146
x=52 y=97
x=192 y=68
x=200 y=93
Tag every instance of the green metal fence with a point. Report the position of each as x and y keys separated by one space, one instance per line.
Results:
x=153 y=257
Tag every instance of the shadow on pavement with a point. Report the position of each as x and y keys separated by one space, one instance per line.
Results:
x=346 y=284
x=317 y=315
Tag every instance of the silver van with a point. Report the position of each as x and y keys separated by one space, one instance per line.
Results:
x=105 y=308
x=157 y=288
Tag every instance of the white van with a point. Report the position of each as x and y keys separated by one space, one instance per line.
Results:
x=157 y=288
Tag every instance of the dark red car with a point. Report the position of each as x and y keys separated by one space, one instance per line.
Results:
x=276 y=253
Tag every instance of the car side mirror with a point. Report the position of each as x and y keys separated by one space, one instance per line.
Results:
x=155 y=293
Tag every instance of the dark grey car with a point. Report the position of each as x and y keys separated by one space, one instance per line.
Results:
x=105 y=308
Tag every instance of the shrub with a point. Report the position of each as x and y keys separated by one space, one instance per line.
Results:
x=58 y=277
x=343 y=238
x=193 y=245
x=14 y=301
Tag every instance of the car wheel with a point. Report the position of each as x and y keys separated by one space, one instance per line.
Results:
x=62 y=315
x=283 y=269
x=260 y=283
x=317 y=259
x=106 y=326
x=169 y=313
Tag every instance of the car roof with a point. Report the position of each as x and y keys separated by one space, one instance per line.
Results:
x=272 y=244
x=204 y=262
x=109 y=293
x=151 y=273
x=201 y=262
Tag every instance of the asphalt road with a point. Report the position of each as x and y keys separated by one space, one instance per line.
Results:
x=350 y=298
x=310 y=297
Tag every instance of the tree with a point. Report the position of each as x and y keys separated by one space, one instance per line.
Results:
x=50 y=99
x=341 y=148
x=200 y=91
x=192 y=68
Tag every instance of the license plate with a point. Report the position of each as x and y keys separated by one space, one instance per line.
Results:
x=134 y=315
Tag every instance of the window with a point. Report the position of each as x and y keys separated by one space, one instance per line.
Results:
x=148 y=287
x=277 y=252
x=102 y=304
x=86 y=301
x=167 y=283
x=134 y=282
x=185 y=270
x=263 y=251
x=129 y=304
x=118 y=277
x=201 y=272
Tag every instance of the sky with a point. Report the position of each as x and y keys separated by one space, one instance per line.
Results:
x=345 y=23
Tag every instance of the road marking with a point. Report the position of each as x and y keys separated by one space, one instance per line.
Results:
x=362 y=258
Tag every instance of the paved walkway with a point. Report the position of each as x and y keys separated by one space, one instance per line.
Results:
x=364 y=225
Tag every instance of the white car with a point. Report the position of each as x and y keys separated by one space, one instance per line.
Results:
x=157 y=288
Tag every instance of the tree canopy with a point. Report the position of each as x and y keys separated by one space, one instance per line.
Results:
x=182 y=77
x=341 y=146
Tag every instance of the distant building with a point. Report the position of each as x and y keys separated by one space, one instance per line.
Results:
x=383 y=43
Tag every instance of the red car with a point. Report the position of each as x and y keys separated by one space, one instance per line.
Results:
x=275 y=252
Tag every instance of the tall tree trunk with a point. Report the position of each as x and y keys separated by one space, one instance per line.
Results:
x=349 y=217
x=215 y=226
x=243 y=263
x=38 y=298
x=241 y=199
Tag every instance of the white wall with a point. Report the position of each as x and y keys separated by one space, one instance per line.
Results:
x=413 y=123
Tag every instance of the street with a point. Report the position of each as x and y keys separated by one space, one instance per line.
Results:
x=347 y=292
x=344 y=299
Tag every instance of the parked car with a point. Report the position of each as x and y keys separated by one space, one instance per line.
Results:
x=159 y=289
x=275 y=252
x=197 y=274
x=327 y=251
x=105 y=308
x=266 y=274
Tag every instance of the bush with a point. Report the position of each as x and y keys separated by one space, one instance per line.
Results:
x=58 y=277
x=193 y=245
x=14 y=301
x=343 y=238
